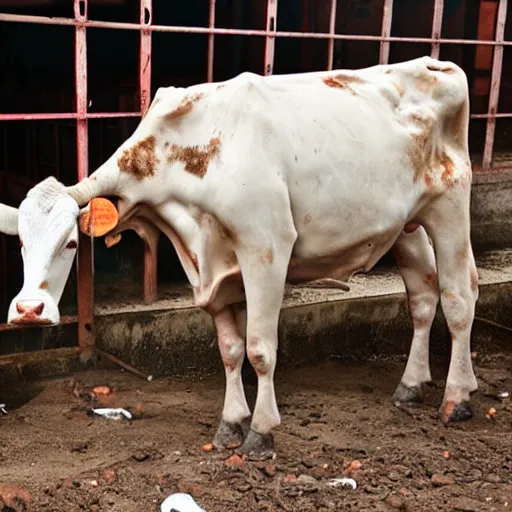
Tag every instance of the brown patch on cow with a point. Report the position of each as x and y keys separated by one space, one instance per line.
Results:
x=195 y=158
x=342 y=81
x=425 y=83
x=448 y=295
x=307 y=219
x=185 y=106
x=428 y=180
x=447 y=176
x=43 y=285
x=430 y=279
x=422 y=148
x=268 y=257
x=93 y=178
x=140 y=160
x=231 y=259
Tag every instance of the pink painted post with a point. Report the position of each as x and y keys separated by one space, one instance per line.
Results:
x=211 y=41
x=332 y=30
x=437 y=23
x=85 y=292
x=387 y=18
x=146 y=14
x=270 y=40
x=150 y=253
x=495 y=85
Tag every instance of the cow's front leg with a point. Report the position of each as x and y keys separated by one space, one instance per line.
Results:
x=264 y=278
x=236 y=413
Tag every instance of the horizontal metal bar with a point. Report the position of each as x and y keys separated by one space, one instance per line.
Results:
x=72 y=115
x=504 y=115
x=64 y=320
x=38 y=356
x=18 y=18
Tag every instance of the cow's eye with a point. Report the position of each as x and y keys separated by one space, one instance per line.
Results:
x=71 y=244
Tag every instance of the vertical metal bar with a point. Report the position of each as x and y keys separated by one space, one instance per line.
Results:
x=270 y=40
x=437 y=23
x=387 y=18
x=332 y=30
x=494 y=95
x=85 y=291
x=211 y=41
x=146 y=14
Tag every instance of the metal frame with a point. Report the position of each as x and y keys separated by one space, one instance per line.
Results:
x=85 y=316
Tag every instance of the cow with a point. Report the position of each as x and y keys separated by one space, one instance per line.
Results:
x=261 y=182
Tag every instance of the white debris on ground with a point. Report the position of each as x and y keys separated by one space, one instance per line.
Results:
x=180 y=502
x=113 y=414
x=343 y=482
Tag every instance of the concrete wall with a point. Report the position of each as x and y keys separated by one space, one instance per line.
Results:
x=491 y=211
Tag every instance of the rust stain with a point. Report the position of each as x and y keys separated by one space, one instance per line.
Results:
x=185 y=106
x=195 y=158
x=447 y=176
x=431 y=280
x=307 y=219
x=140 y=160
x=43 y=285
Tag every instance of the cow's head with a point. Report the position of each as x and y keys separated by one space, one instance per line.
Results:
x=48 y=231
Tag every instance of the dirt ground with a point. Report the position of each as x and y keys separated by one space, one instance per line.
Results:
x=55 y=457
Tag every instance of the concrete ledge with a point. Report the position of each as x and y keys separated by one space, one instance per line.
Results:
x=172 y=337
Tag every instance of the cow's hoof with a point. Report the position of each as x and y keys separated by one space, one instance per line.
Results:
x=257 y=443
x=451 y=411
x=408 y=396
x=230 y=435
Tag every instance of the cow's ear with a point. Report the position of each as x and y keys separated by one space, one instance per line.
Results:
x=99 y=217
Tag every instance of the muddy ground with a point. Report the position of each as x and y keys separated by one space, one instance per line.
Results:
x=55 y=456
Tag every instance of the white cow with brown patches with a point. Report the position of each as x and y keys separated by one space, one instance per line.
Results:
x=260 y=181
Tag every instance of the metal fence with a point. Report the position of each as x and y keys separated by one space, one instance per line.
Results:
x=85 y=316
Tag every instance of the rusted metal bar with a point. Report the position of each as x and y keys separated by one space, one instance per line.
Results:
x=503 y=115
x=332 y=30
x=85 y=286
x=122 y=364
x=211 y=42
x=387 y=18
x=71 y=115
x=437 y=23
x=146 y=14
x=494 y=95
x=270 y=40
x=38 y=356
x=241 y=32
x=150 y=273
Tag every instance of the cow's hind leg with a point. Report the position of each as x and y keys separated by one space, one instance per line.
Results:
x=416 y=259
x=236 y=413
x=448 y=223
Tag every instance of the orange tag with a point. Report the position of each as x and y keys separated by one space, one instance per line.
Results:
x=111 y=240
x=101 y=217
